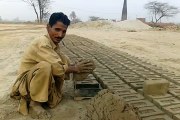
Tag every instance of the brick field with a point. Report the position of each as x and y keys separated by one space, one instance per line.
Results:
x=125 y=74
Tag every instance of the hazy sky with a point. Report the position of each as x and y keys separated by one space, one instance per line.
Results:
x=110 y=9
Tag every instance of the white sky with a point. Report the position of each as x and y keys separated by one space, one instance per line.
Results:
x=110 y=9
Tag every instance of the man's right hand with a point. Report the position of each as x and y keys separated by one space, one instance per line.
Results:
x=84 y=66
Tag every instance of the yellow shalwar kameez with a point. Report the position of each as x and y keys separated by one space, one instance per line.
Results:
x=41 y=74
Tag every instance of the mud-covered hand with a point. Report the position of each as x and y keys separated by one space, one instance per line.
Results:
x=84 y=66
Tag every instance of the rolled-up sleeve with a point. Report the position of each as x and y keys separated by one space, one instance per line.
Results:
x=46 y=53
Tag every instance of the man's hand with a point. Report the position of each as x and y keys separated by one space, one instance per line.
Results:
x=84 y=66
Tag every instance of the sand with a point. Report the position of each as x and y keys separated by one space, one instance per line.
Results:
x=158 y=47
x=135 y=25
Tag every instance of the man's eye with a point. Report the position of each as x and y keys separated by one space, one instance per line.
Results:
x=57 y=29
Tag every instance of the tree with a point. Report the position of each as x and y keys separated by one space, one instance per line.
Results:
x=160 y=10
x=0 y=18
x=73 y=15
x=93 y=18
x=40 y=8
x=74 y=18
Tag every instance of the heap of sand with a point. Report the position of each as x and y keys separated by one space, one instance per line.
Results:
x=104 y=24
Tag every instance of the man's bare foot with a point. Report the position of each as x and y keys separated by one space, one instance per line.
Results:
x=37 y=111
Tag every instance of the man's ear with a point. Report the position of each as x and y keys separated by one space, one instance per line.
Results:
x=48 y=26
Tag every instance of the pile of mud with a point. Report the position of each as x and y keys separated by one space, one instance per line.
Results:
x=122 y=25
x=92 y=24
x=109 y=106
x=131 y=25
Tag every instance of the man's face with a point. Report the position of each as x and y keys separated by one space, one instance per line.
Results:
x=57 y=32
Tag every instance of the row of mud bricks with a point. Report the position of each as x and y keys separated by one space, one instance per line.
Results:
x=125 y=75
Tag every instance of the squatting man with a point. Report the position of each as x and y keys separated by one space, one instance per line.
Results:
x=43 y=69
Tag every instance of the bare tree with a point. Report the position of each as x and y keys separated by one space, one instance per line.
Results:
x=94 y=18
x=73 y=15
x=74 y=18
x=43 y=8
x=160 y=10
x=33 y=4
x=40 y=8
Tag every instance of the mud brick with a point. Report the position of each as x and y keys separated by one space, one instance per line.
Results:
x=107 y=76
x=178 y=97
x=122 y=73
x=125 y=92
x=149 y=111
x=118 y=87
x=109 y=79
x=134 y=80
x=113 y=82
x=166 y=101
x=103 y=73
x=177 y=81
x=130 y=75
x=155 y=79
x=158 y=117
x=175 y=92
x=153 y=97
x=173 y=86
x=176 y=78
x=153 y=76
x=140 y=71
x=140 y=91
x=172 y=110
x=176 y=117
x=156 y=87
x=137 y=85
x=141 y=103
x=132 y=97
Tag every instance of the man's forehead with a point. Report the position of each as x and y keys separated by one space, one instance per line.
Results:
x=59 y=24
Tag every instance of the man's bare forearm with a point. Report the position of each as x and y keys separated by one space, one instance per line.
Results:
x=71 y=69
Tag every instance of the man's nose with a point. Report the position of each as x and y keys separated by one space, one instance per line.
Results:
x=60 y=34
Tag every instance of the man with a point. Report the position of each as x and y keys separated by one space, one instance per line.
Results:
x=43 y=68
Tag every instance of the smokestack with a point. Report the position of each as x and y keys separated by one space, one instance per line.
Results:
x=124 y=11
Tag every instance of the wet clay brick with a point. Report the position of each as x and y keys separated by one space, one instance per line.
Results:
x=125 y=91
x=172 y=110
x=132 y=97
x=134 y=79
x=141 y=103
x=156 y=87
x=119 y=86
x=113 y=82
x=137 y=85
x=173 y=86
x=166 y=101
x=176 y=117
x=175 y=92
x=158 y=117
x=149 y=111
x=152 y=97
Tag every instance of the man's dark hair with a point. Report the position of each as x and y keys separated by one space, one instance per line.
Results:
x=58 y=16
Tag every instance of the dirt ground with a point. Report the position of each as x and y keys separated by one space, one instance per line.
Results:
x=158 y=47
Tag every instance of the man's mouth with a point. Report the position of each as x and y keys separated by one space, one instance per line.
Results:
x=58 y=39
